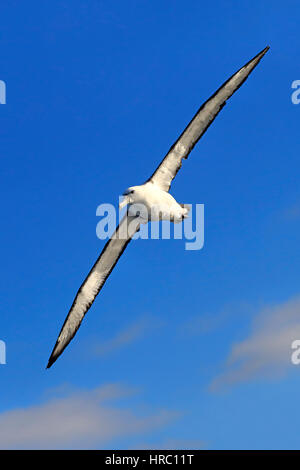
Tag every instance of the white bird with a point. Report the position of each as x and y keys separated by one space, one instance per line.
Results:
x=149 y=201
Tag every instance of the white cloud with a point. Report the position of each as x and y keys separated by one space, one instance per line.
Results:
x=80 y=420
x=266 y=352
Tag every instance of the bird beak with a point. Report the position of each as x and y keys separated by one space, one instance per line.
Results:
x=124 y=202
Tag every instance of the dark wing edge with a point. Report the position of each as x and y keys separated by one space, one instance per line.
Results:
x=168 y=168
x=93 y=283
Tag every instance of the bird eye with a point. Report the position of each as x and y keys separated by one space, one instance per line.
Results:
x=128 y=192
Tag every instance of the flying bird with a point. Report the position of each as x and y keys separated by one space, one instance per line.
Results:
x=149 y=201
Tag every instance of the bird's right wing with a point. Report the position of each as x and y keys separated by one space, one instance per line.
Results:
x=94 y=282
x=170 y=165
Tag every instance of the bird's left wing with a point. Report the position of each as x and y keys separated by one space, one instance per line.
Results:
x=170 y=165
x=94 y=282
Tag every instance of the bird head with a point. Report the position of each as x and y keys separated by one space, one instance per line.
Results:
x=127 y=197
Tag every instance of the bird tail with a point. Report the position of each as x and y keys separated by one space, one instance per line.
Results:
x=187 y=210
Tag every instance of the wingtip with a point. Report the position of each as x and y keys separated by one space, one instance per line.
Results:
x=264 y=51
x=50 y=362
x=52 y=358
x=256 y=59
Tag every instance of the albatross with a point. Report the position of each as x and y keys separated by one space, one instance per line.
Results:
x=156 y=200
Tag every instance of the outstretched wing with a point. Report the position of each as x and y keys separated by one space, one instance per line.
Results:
x=170 y=165
x=94 y=282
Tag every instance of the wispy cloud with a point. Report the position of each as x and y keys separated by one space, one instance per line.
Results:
x=126 y=336
x=82 y=419
x=205 y=322
x=292 y=213
x=266 y=352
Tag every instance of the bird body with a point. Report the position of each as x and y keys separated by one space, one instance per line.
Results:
x=151 y=203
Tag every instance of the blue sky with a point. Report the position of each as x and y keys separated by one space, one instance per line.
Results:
x=181 y=348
